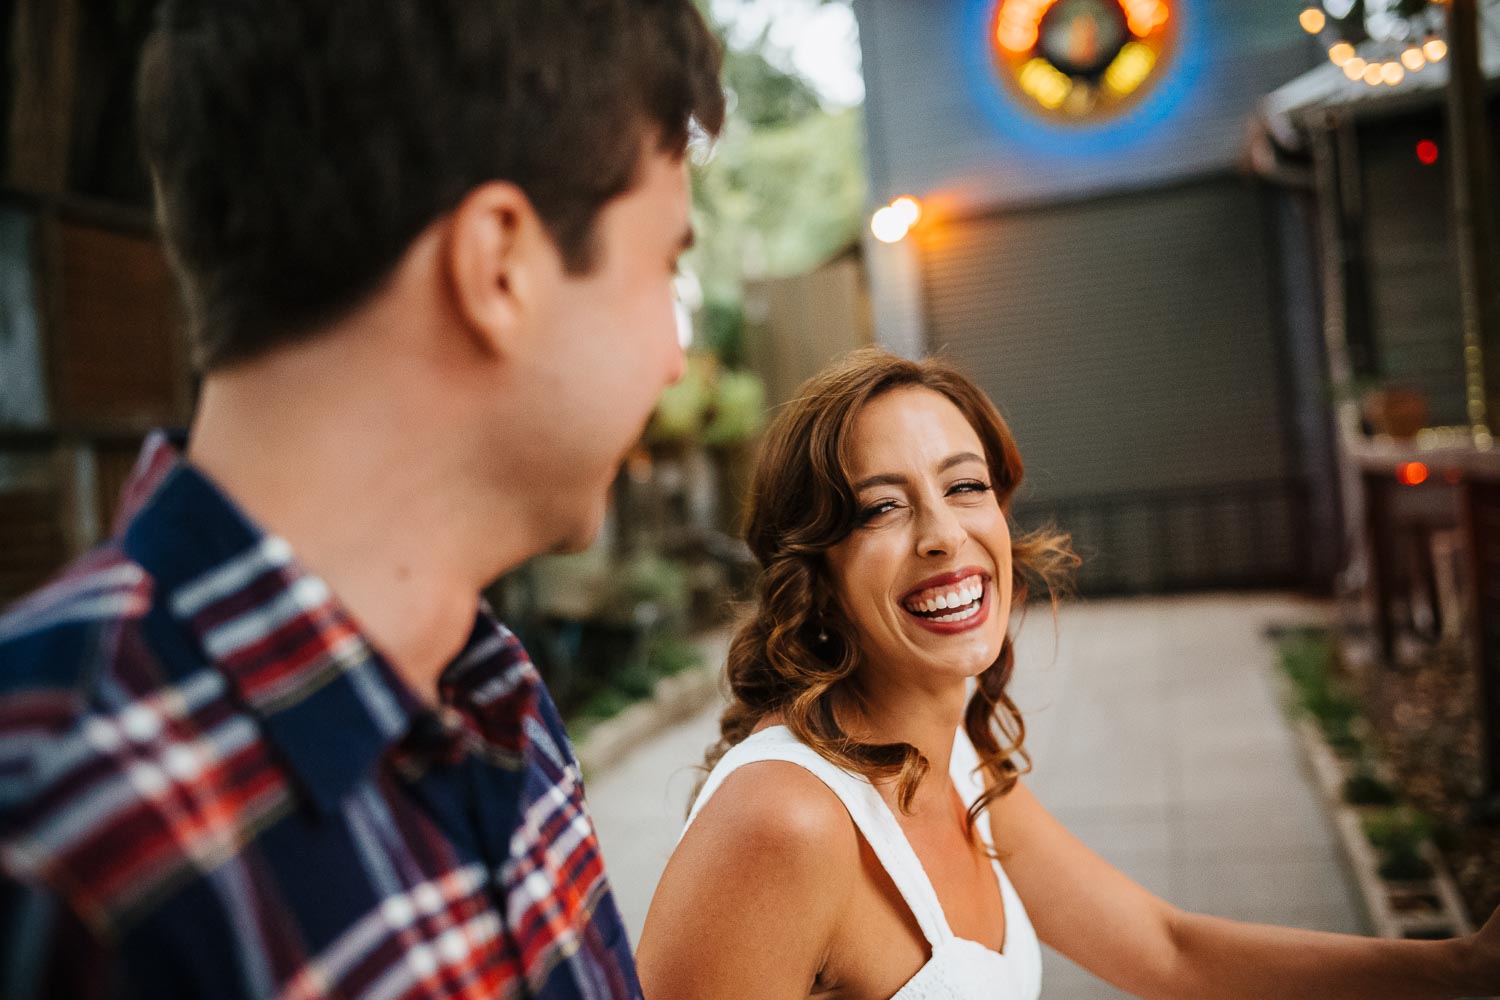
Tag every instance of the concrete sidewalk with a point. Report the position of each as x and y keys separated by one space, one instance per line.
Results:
x=1156 y=739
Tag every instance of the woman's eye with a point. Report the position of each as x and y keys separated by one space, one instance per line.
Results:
x=874 y=510
x=969 y=486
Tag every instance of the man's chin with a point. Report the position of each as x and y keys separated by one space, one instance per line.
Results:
x=581 y=535
x=573 y=545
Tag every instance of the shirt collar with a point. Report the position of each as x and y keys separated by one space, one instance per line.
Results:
x=329 y=703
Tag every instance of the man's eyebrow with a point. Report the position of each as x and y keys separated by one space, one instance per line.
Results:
x=896 y=479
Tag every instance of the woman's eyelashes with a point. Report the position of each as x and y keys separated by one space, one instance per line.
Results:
x=876 y=509
x=967 y=487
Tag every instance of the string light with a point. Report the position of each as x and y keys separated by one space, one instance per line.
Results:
x=1402 y=58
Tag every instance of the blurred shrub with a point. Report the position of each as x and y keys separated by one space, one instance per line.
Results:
x=1398 y=835
x=650 y=588
x=683 y=408
x=1308 y=659
x=1362 y=788
x=739 y=409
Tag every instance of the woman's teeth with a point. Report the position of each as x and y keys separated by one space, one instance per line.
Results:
x=962 y=601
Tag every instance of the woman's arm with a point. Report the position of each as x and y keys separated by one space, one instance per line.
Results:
x=752 y=895
x=1093 y=914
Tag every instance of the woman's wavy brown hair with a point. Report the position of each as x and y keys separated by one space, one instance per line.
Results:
x=801 y=504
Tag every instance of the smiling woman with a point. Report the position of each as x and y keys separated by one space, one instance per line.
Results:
x=868 y=447
x=879 y=518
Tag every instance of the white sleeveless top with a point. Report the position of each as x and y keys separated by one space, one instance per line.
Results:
x=959 y=969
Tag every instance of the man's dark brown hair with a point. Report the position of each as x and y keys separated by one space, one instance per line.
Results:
x=299 y=146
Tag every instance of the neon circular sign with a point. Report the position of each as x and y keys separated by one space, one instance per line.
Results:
x=1081 y=60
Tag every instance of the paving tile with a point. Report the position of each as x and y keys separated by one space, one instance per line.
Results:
x=1252 y=829
x=1232 y=886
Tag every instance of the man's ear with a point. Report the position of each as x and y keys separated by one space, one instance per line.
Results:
x=497 y=255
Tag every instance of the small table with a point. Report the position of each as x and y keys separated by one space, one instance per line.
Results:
x=1410 y=494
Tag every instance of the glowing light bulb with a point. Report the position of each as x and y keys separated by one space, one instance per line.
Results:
x=889 y=225
x=1392 y=73
x=908 y=209
x=1313 y=20
x=1435 y=49
x=1413 y=59
x=1340 y=53
x=1374 y=74
x=1354 y=68
x=1411 y=473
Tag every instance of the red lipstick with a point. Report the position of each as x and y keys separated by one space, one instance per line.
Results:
x=979 y=617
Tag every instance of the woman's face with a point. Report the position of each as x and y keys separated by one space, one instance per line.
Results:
x=925 y=577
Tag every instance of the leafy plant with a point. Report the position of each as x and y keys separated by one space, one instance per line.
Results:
x=683 y=408
x=671 y=655
x=1307 y=658
x=1362 y=788
x=651 y=580
x=1398 y=835
x=739 y=409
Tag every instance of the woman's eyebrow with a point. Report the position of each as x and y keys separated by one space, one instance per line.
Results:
x=880 y=479
x=959 y=459
x=896 y=479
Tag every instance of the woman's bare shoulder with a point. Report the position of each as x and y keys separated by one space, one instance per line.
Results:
x=755 y=889
x=780 y=808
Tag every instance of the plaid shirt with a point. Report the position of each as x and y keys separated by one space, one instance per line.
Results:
x=212 y=786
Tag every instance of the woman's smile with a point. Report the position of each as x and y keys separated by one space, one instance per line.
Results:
x=950 y=603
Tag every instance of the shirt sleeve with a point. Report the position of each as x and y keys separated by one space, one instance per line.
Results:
x=46 y=951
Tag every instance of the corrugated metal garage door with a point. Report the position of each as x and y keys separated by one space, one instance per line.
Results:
x=1131 y=342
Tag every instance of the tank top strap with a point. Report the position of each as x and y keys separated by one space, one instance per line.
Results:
x=871 y=816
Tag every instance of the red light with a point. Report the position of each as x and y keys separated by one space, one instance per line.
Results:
x=1427 y=152
x=1411 y=473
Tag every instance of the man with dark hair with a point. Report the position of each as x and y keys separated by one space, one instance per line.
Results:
x=267 y=741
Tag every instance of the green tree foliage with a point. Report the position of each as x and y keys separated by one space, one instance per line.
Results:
x=785 y=187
